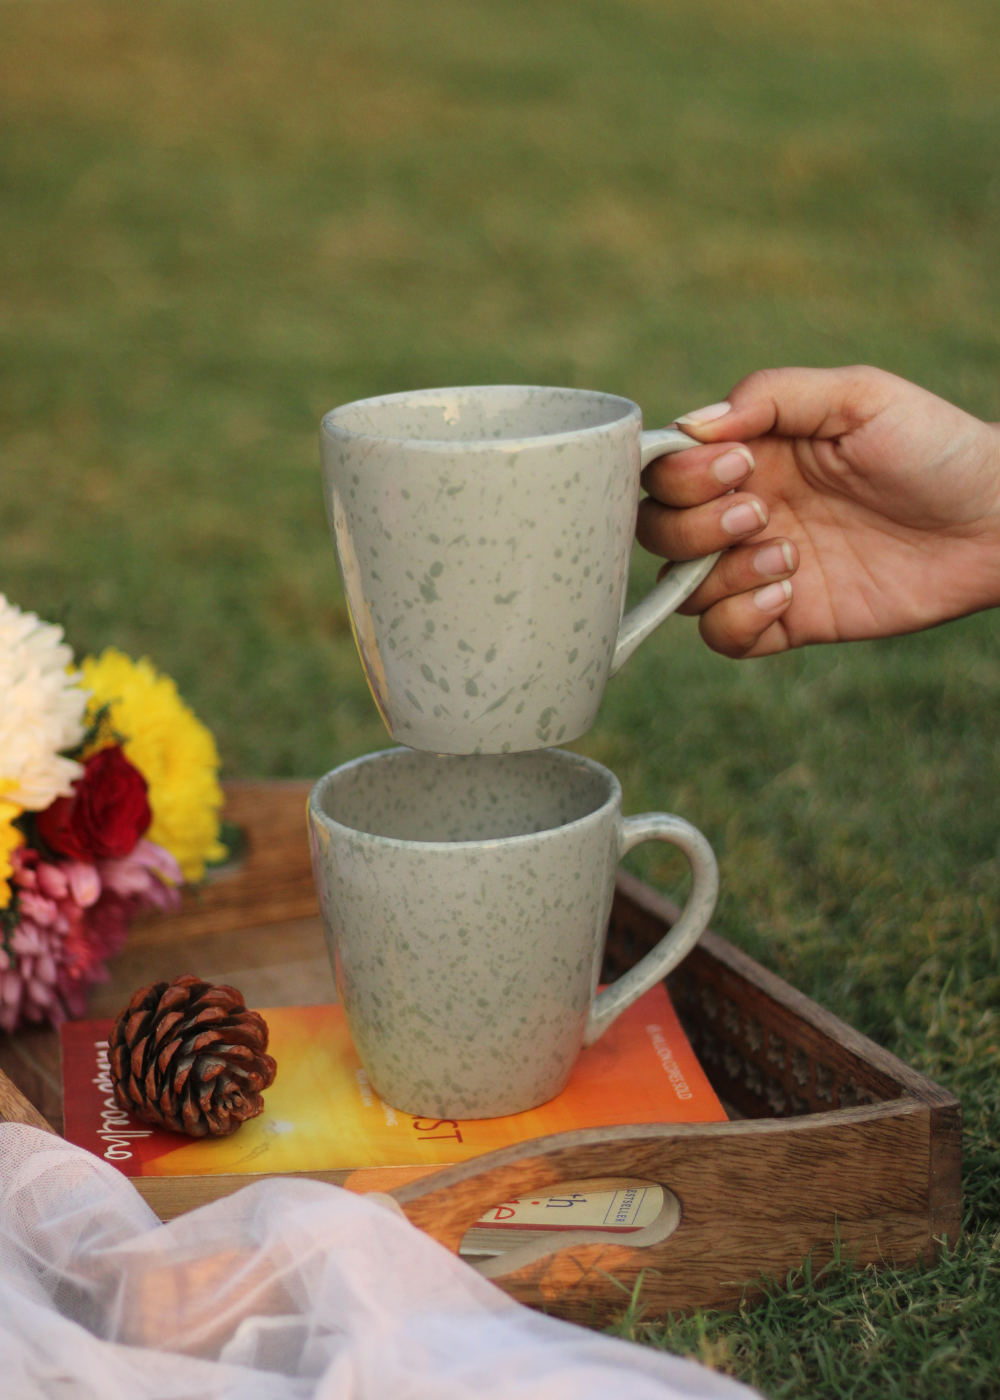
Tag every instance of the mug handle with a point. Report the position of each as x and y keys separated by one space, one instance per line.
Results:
x=679 y=582
x=675 y=945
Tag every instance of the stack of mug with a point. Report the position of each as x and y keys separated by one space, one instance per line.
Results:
x=483 y=538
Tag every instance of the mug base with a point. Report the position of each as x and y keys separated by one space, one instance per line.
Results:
x=461 y=742
x=456 y=1106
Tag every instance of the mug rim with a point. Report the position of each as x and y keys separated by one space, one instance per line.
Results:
x=331 y=428
x=611 y=801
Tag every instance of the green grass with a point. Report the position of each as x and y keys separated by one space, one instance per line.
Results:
x=217 y=221
x=879 y=1332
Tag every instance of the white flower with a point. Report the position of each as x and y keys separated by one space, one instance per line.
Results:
x=41 y=709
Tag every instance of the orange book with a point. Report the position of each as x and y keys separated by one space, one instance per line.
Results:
x=322 y=1114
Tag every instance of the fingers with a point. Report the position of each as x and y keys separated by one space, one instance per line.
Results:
x=795 y=403
x=749 y=624
x=688 y=534
x=744 y=598
x=744 y=569
x=698 y=474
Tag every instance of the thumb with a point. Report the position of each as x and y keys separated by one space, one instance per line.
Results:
x=820 y=403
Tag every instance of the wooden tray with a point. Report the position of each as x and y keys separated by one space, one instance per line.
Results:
x=830 y=1135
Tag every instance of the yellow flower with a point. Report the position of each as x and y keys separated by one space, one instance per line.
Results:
x=10 y=839
x=171 y=748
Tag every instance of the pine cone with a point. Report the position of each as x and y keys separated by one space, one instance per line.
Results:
x=190 y=1057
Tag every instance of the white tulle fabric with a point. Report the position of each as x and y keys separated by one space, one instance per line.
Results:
x=286 y=1290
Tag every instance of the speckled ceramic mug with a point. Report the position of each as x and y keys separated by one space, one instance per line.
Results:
x=465 y=902
x=483 y=538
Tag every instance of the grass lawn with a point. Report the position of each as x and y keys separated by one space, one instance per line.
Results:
x=219 y=220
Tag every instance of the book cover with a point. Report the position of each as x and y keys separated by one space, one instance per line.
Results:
x=322 y=1114
x=621 y=1210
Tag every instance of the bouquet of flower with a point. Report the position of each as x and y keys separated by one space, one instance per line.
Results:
x=109 y=802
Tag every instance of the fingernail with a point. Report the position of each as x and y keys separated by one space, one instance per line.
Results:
x=705 y=415
x=774 y=559
x=773 y=597
x=732 y=466
x=744 y=518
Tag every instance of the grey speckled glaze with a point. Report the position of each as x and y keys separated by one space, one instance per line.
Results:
x=465 y=902
x=483 y=538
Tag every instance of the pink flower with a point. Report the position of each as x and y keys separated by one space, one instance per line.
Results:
x=35 y=906
x=84 y=882
x=23 y=860
x=150 y=873
x=51 y=880
x=28 y=981
x=73 y=916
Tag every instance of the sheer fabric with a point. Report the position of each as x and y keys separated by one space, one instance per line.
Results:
x=286 y=1290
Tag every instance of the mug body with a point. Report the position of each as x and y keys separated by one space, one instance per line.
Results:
x=483 y=538
x=465 y=903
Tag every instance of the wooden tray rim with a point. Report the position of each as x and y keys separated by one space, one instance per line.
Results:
x=16 y=1107
x=828 y=1025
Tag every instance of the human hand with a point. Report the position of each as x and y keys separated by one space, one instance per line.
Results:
x=884 y=502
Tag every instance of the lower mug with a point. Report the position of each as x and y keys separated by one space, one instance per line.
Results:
x=465 y=901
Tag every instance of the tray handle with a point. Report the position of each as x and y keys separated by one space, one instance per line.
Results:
x=448 y=1203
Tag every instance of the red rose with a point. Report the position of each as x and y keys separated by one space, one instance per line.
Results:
x=106 y=815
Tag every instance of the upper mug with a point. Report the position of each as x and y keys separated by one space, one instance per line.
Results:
x=483 y=538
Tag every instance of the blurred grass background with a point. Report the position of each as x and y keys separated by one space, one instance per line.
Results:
x=217 y=221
